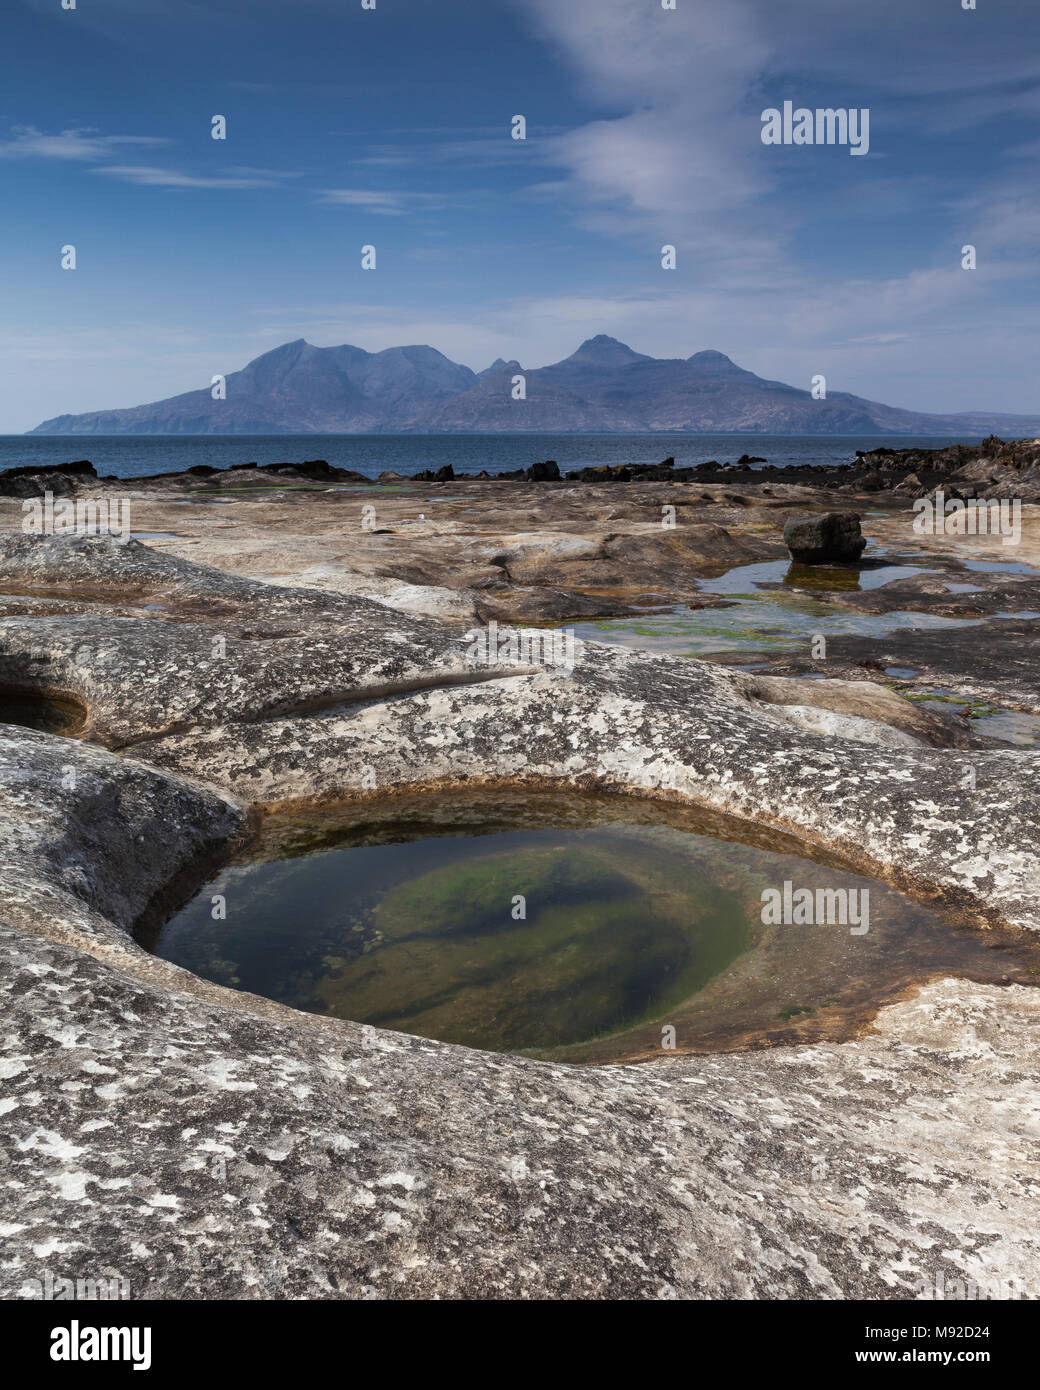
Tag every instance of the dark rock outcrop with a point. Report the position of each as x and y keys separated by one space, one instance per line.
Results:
x=549 y=471
x=435 y=475
x=61 y=479
x=830 y=538
x=993 y=469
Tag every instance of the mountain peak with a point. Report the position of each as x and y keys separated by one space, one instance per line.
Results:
x=604 y=351
x=297 y=388
x=283 y=353
x=716 y=363
x=498 y=366
x=710 y=355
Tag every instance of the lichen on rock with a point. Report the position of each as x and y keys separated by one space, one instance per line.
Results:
x=207 y=1143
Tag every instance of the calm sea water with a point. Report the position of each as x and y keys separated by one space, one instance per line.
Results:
x=132 y=456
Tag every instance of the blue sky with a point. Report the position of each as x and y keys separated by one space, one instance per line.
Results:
x=392 y=127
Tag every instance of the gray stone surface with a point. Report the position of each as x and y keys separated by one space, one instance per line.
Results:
x=205 y=1143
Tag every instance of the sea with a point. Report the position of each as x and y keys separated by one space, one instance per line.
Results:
x=134 y=456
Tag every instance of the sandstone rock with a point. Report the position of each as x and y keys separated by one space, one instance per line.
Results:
x=880 y=713
x=207 y=1143
x=432 y=601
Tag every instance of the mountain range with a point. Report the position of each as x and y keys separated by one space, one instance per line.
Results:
x=603 y=388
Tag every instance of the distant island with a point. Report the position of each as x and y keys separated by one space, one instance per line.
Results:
x=603 y=388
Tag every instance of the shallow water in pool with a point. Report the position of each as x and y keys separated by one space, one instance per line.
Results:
x=575 y=928
x=761 y=616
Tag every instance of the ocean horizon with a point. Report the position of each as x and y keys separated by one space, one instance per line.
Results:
x=135 y=456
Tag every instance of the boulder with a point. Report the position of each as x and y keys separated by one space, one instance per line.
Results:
x=911 y=483
x=824 y=539
x=872 y=482
x=547 y=472
x=442 y=475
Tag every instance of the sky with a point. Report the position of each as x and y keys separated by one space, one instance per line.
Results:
x=391 y=127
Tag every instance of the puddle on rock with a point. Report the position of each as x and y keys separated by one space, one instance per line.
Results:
x=1000 y=567
x=50 y=714
x=1011 y=726
x=770 y=608
x=756 y=623
x=571 y=927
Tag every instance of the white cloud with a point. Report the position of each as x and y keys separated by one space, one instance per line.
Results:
x=86 y=145
x=685 y=164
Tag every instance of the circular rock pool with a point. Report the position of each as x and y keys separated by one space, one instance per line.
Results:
x=583 y=928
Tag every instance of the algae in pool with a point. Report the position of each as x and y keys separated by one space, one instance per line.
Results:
x=564 y=927
x=518 y=940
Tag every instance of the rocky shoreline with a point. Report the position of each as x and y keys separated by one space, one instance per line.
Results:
x=272 y=650
x=994 y=468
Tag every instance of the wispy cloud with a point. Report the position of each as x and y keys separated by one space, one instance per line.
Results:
x=451 y=148
x=386 y=203
x=148 y=176
x=82 y=143
x=85 y=145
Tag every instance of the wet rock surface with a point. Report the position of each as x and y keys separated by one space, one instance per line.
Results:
x=1001 y=669
x=207 y=1143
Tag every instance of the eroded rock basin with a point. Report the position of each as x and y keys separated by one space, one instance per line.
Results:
x=51 y=714
x=206 y=1142
x=572 y=928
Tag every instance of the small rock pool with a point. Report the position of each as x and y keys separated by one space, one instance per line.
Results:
x=771 y=607
x=578 y=928
x=49 y=713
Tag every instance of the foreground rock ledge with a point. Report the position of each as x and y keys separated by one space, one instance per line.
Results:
x=203 y=1143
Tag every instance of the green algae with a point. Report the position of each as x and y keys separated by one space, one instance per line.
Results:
x=995 y=721
x=608 y=938
x=572 y=927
